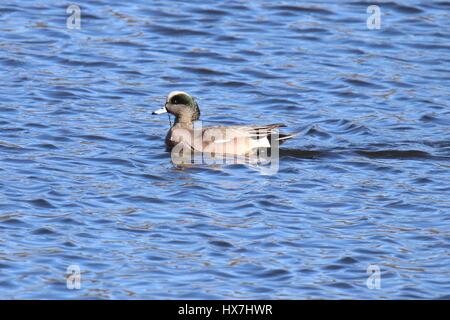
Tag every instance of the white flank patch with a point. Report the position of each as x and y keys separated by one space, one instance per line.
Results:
x=261 y=143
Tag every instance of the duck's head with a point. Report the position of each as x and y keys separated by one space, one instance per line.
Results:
x=182 y=106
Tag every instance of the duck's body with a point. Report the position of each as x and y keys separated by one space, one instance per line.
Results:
x=230 y=140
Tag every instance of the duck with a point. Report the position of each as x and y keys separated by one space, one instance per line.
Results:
x=222 y=139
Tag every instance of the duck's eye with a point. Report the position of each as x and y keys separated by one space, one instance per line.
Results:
x=175 y=100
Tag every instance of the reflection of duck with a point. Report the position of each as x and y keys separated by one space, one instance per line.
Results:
x=232 y=140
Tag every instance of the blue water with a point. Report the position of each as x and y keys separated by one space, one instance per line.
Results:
x=85 y=178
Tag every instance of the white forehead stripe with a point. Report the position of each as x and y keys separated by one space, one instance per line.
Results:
x=174 y=93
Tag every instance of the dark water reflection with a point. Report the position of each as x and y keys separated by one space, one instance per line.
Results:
x=85 y=179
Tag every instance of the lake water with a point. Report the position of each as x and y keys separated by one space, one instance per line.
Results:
x=85 y=179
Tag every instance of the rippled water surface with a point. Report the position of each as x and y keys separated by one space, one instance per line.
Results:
x=85 y=178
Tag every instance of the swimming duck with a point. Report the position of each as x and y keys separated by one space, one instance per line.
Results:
x=231 y=140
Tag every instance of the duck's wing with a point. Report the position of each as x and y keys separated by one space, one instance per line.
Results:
x=241 y=139
x=221 y=134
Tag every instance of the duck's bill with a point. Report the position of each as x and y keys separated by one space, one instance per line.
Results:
x=160 y=111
